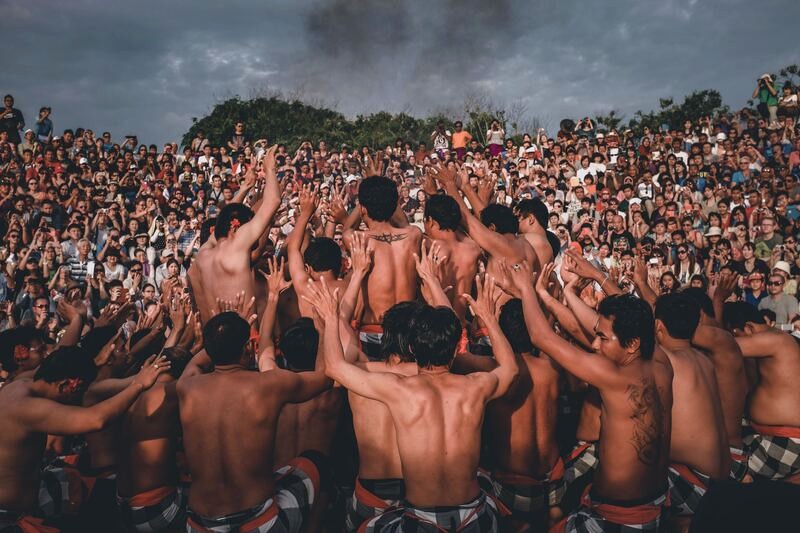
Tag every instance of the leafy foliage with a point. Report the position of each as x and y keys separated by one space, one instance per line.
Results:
x=698 y=104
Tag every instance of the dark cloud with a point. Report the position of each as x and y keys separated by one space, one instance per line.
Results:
x=149 y=67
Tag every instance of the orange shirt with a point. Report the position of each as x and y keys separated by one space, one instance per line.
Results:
x=461 y=139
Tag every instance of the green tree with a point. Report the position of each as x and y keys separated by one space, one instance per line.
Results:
x=610 y=120
x=698 y=104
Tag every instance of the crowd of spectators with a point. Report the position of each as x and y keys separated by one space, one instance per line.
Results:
x=114 y=220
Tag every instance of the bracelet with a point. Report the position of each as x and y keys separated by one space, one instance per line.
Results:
x=603 y=283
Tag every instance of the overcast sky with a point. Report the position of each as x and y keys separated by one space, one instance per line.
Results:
x=148 y=67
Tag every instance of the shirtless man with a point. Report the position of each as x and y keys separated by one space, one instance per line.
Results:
x=149 y=495
x=224 y=269
x=393 y=277
x=45 y=405
x=773 y=435
x=322 y=256
x=496 y=234
x=379 y=485
x=442 y=221
x=523 y=460
x=532 y=214
x=231 y=414
x=630 y=484
x=725 y=355
x=436 y=407
x=699 y=450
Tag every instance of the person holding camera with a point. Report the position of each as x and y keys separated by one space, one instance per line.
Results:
x=767 y=99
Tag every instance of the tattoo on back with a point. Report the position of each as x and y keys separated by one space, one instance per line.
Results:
x=647 y=421
x=389 y=238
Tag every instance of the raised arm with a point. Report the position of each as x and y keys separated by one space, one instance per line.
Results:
x=294 y=242
x=562 y=314
x=361 y=250
x=646 y=292
x=766 y=343
x=428 y=265
x=597 y=371
x=250 y=232
x=485 y=308
x=380 y=386
x=54 y=418
x=276 y=284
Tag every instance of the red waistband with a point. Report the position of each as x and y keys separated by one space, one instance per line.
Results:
x=637 y=514
x=268 y=514
x=369 y=499
x=370 y=328
x=522 y=480
x=776 y=431
x=688 y=474
x=151 y=497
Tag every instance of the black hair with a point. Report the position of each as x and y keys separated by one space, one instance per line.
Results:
x=444 y=210
x=378 y=195
x=94 y=341
x=231 y=212
x=323 y=254
x=11 y=338
x=179 y=357
x=735 y=315
x=701 y=298
x=512 y=322
x=633 y=319
x=396 y=330
x=680 y=314
x=435 y=334
x=535 y=207
x=67 y=362
x=225 y=336
x=299 y=344
x=502 y=217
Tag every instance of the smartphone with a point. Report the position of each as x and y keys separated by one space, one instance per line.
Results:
x=90 y=269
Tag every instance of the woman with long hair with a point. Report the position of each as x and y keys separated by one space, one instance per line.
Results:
x=686 y=265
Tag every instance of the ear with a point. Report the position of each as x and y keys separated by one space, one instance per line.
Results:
x=634 y=346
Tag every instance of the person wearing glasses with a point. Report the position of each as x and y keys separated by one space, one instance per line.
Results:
x=783 y=305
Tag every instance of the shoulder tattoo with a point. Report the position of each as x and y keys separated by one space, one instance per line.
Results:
x=389 y=238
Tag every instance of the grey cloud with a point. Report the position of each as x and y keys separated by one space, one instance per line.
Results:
x=148 y=67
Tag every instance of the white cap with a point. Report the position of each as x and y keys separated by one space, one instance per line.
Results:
x=784 y=266
x=714 y=231
x=83 y=161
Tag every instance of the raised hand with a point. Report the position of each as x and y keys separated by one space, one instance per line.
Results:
x=151 y=369
x=578 y=265
x=429 y=262
x=237 y=305
x=103 y=357
x=485 y=307
x=543 y=281
x=728 y=281
x=276 y=280
x=520 y=275
x=268 y=160
x=361 y=250
x=177 y=311
x=338 y=212
x=325 y=302
x=70 y=311
x=640 y=272
x=308 y=200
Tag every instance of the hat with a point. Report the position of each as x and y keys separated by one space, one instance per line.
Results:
x=56 y=138
x=166 y=253
x=721 y=137
x=714 y=231
x=350 y=179
x=83 y=161
x=600 y=136
x=635 y=201
x=765 y=76
x=28 y=131
x=145 y=235
x=530 y=150
x=133 y=167
x=783 y=266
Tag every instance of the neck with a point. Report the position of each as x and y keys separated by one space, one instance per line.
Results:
x=230 y=367
x=442 y=235
x=674 y=344
x=379 y=226
x=434 y=370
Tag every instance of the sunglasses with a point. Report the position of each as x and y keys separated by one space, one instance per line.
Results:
x=775 y=283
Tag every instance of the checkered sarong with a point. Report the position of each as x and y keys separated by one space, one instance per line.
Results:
x=365 y=504
x=478 y=516
x=525 y=496
x=687 y=487
x=154 y=510
x=580 y=462
x=774 y=451
x=296 y=487
x=595 y=516
x=738 y=464
x=370 y=337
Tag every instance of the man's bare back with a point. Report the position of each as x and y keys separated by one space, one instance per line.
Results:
x=378 y=455
x=459 y=268
x=222 y=272
x=393 y=277
x=699 y=439
x=150 y=431
x=309 y=425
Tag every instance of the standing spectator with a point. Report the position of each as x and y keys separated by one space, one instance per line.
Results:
x=11 y=121
x=495 y=138
x=767 y=99
x=238 y=140
x=461 y=139
x=44 y=126
x=441 y=140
